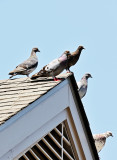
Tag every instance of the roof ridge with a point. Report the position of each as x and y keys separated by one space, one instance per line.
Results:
x=63 y=75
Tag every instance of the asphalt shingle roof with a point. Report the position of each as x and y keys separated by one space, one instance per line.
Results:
x=16 y=94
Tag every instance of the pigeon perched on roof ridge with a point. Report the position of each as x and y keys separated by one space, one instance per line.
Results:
x=83 y=84
x=74 y=57
x=28 y=66
x=54 y=68
x=100 y=140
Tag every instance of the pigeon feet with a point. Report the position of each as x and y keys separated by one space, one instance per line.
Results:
x=57 y=79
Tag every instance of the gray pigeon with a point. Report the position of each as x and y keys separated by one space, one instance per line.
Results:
x=100 y=140
x=73 y=57
x=27 y=66
x=83 y=84
x=54 y=68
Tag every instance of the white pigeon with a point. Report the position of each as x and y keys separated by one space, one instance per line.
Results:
x=54 y=68
x=83 y=84
x=27 y=66
x=100 y=140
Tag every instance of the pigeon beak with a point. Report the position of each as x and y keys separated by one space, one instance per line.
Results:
x=38 y=50
x=112 y=135
x=91 y=77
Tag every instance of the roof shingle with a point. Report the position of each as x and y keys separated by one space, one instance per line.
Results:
x=16 y=94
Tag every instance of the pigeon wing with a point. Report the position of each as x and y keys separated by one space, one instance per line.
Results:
x=99 y=142
x=79 y=85
x=82 y=88
x=31 y=62
x=26 y=66
x=52 y=66
x=48 y=70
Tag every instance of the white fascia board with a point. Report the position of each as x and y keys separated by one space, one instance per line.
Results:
x=79 y=126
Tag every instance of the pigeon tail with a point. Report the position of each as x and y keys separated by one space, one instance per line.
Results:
x=41 y=73
x=17 y=70
x=11 y=73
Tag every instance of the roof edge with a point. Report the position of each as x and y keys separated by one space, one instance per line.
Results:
x=83 y=115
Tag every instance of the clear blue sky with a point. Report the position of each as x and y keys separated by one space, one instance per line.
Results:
x=55 y=26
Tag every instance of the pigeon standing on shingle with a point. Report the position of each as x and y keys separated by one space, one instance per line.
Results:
x=54 y=68
x=27 y=66
x=83 y=84
x=74 y=57
x=100 y=140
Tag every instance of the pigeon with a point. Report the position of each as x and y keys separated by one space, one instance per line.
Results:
x=54 y=68
x=74 y=57
x=100 y=140
x=83 y=84
x=27 y=66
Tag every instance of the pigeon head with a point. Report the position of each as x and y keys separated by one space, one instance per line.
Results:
x=81 y=48
x=88 y=75
x=64 y=56
x=109 y=134
x=67 y=53
x=35 y=50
